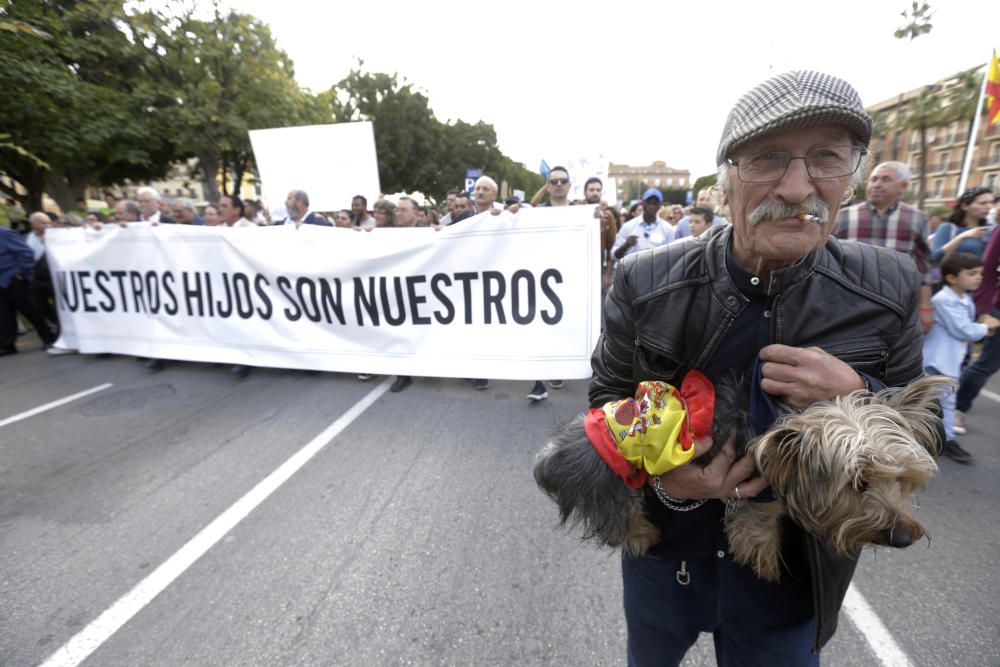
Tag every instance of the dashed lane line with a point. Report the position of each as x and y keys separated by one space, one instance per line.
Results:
x=54 y=404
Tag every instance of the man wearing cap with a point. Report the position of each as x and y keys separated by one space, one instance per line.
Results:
x=805 y=317
x=649 y=231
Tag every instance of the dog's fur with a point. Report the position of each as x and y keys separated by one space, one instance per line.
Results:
x=844 y=470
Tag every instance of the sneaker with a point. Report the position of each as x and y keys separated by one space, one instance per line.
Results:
x=959 y=426
x=481 y=384
x=56 y=351
x=240 y=371
x=401 y=383
x=556 y=384
x=538 y=392
x=956 y=452
x=365 y=376
x=155 y=365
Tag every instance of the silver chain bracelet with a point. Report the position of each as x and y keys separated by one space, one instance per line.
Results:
x=675 y=504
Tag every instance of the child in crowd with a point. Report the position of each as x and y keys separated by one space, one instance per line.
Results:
x=954 y=328
x=700 y=220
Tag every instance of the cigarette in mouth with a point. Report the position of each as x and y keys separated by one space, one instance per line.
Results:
x=806 y=217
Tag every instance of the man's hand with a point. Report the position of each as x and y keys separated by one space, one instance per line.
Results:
x=926 y=321
x=718 y=479
x=804 y=375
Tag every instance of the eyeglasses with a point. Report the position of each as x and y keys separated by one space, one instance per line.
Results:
x=826 y=162
x=558 y=181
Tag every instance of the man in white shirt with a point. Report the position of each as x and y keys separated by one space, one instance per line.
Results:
x=231 y=210
x=297 y=205
x=647 y=231
x=485 y=193
x=149 y=206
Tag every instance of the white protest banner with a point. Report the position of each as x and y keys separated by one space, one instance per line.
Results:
x=331 y=163
x=506 y=296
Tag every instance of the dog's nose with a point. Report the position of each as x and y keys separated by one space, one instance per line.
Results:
x=899 y=537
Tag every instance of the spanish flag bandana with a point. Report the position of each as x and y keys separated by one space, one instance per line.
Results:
x=654 y=432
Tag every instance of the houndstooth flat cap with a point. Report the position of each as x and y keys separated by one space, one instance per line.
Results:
x=794 y=99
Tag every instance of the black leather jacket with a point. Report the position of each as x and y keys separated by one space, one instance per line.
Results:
x=671 y=306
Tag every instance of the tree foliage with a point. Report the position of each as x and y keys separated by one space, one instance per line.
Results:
x=918 y=21
x=80 y=105
x=220 y=78
x=104 y=91
x=416 y=151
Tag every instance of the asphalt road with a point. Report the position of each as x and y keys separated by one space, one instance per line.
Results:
x=416 y=536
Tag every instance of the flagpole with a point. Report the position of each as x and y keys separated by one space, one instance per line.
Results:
x=974 y=135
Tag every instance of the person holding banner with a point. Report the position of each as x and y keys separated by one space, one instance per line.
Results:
x=17 y=265
x=297 y=205
x=776 y=299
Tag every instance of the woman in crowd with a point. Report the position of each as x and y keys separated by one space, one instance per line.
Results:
x=966 y=229
x=384 y=211
x=212 y=216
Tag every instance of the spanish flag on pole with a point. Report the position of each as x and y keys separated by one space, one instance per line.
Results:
x=993 y=90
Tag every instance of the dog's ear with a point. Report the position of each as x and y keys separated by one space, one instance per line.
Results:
x=777 y=454
x=919 y=404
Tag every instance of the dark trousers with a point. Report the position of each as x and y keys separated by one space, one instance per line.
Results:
x=17 y=298
x=754 y=623
x=978 y=373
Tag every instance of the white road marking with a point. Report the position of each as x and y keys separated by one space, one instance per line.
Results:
x=867 y=622
x=54 y=404
x=990 y=395
x=85 y=642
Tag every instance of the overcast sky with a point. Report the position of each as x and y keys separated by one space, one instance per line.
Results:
x=632 y=81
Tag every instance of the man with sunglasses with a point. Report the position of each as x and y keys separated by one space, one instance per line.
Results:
x=648 y=231
x=803 y=317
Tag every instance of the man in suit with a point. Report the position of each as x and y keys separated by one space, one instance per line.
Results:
x=149 y=205
x=297 y=205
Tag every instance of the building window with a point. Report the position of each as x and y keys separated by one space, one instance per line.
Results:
x=938 y=187
x=991 y=181
x=670 y=182
x=995 y=153
x=943 y=161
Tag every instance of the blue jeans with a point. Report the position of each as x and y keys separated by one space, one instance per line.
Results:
x=976 y=375
x=754 y=623
x=947 y=399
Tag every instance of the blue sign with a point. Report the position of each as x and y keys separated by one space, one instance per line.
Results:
x=471 y=176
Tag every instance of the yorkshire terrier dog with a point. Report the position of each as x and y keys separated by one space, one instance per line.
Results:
x=844 y=470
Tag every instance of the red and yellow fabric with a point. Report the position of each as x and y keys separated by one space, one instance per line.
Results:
x=993 y=90
x=654 y=432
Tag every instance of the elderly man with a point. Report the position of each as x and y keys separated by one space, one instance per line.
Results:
x=127 y=211
x=186 y=212
x=485 y=192
x=773 y=297
x=149 y=204
x=297 y=205
x=885 y=221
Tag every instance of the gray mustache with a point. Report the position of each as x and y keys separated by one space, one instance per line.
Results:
x=776 y=210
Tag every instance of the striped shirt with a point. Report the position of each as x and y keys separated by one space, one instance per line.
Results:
x=902 y=228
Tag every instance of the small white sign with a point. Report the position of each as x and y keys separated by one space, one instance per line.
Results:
x=331 y=163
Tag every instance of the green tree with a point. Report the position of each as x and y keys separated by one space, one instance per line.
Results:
x=704 y=182
x=221 y=78
x=416 y=151
x=919 y=115
x=918 y=19
x=76 y=103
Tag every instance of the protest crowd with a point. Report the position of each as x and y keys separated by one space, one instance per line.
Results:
x=948 y=246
